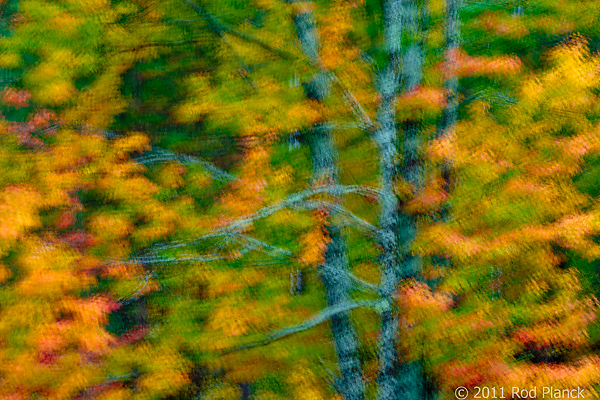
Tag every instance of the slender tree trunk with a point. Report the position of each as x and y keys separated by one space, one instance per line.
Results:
x=386 y=141
x=452 y=34
x=448 y=123
x=386 y=138
x=398 y=380
x=245 y=390
x=412 y=170
x=450 y=112
x=337 y=284
x=413 y=382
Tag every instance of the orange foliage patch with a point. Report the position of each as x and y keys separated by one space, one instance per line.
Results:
x=458 y=63
x=502 y=24
x=15 y=98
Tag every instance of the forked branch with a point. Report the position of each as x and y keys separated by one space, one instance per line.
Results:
x=313 y=321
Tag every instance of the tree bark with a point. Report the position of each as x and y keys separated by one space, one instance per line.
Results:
x=452 y=34
x=450 y=113
x=325 y=169
x=413 y=382
x=245 y=390
x=398 y=380
x=386 y=137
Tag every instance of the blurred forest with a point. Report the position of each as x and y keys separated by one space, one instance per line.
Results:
x=286 y=199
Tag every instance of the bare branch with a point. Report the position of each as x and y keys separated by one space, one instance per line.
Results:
x=159 y=44
x=355 y=219
x=291 y=201
x=358 y=110
x=181 y=21
x=221 y=27
x=217 y=27
x=246 y=76
x=263 y=245
x=182 y=243
x=315 y=320
x=236 y=226
x=87 y=392
x=170 y=260
x=362 y=284
x=333 y=379
x=158 y=154
x=144 y=282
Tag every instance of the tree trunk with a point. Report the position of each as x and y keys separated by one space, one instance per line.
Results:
x=337 y=284
x=450 y=113
x=396 y=380
x=386 y=138
x=452 y=33
x=245 y=390
x=413 y=382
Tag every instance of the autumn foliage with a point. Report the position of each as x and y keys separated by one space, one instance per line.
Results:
x=168 y=224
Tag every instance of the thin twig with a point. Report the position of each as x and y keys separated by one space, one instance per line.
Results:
x=236 y=226
x=260 y=244
x=362 y=284
x=158 y=154
x=170 y=260
x=355 y=219
x=225 y=28
x=313 y=321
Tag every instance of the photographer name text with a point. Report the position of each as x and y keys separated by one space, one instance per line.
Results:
x=546 y=392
